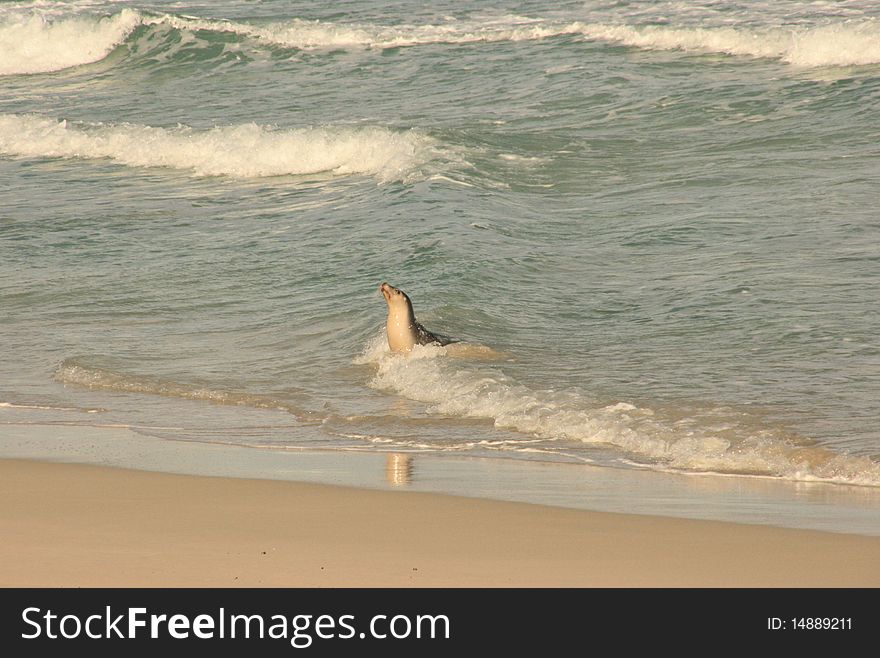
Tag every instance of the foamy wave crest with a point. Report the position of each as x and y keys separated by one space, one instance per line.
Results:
x=36 y=43
x=844 y=44
x=639 y=434
x=303 y=34
x=73 y=372
x=243 y=151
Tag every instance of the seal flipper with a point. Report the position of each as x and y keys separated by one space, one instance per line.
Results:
x=425 y=337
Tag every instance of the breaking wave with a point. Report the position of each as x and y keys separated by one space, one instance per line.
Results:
x=852 y=43
x=242 y=151
x=711 y=441
x=35 y=43
x=844 y=44
x=38 y=42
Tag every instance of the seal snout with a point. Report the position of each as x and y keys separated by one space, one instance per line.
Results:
x=391 y=293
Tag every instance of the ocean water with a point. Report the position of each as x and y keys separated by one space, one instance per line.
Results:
x=654 y=225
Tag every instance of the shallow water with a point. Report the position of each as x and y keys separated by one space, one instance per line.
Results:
x=661 y=218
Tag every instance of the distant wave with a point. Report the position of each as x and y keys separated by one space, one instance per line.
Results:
x=298 y=33
x=39 y=42
x=844 y=44
x=706 y=442
x=841 y=44
x=832 y=45
x=850 y=43
x=242 y=151
x=35 y=43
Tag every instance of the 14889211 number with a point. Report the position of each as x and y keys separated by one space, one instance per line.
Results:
x=822 y=623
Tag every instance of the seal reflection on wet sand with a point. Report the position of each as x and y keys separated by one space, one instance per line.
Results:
x=399 y=469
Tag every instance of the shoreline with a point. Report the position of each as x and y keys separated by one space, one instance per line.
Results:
x=758 y=501
x=810 y=506
x=78 y=525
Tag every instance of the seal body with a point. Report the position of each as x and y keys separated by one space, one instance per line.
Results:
x=404 y=331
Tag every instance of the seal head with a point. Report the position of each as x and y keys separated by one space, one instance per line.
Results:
x=404 y=331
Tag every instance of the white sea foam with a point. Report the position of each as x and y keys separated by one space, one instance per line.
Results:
x=839 y=44
x=37 y=43
x=41 y=41
x=842 y=44
x=303 y=34
x=689 y=444
x=242 y=151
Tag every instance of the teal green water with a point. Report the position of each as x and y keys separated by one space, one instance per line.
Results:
x=662 y=219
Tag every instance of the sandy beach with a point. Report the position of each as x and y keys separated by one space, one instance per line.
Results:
x=74 y=525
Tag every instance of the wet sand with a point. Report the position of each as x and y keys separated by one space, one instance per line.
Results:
x=76 y=525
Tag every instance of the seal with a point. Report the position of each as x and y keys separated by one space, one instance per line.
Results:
x=403 y=329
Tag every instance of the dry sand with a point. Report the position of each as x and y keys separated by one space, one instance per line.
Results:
x=75 y=525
